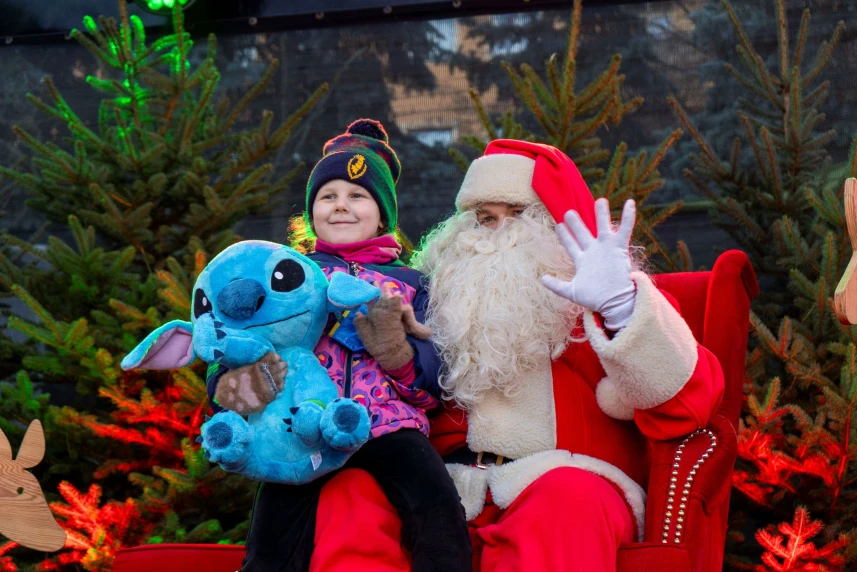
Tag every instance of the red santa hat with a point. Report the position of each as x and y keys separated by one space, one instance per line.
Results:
x=522 y=173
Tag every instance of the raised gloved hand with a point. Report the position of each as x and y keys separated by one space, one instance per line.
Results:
x=249 y=389
x=602 y=265
x=383 y=331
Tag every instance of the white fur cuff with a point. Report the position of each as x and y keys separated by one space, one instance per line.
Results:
x=472 y=485
x=649 y=361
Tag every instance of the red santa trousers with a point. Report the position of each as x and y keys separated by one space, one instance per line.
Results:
x=568 y=519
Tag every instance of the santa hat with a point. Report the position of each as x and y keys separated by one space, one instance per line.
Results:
x=522 y=173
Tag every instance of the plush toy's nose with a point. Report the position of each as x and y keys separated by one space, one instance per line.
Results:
x=241 y=298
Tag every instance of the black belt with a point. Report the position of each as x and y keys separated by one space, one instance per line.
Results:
x=483 y=460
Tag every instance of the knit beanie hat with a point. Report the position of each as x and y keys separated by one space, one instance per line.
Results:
x=363 y=156
x=522 y=173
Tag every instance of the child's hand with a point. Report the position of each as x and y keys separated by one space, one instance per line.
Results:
x=249 y=389
x=382 y=331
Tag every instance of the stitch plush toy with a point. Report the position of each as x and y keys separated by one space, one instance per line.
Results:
x=253 y=298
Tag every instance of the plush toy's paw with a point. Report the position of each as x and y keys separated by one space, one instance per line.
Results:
x=305 y=422
x=226 y=439
x=345 y=424
x=209 y=339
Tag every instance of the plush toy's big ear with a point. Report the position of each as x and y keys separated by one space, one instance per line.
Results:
x=168 y=347
x=348 y=291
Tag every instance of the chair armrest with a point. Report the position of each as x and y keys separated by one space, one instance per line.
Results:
x=689 y=485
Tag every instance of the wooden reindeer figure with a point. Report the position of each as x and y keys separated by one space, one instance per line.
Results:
x=24 y=514
x=845 y=296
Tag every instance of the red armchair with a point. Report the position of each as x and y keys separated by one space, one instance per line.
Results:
x=686 y=524
x=690 y=478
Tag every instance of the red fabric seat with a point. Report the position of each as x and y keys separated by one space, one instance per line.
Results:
x=716 y=306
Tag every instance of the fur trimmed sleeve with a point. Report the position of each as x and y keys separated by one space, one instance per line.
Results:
x=656 y=373
x=426 y=358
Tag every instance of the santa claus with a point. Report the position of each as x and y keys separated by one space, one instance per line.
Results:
x=562 y=359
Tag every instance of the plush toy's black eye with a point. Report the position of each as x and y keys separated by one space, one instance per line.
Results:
x=288 y=275
x=201 y=303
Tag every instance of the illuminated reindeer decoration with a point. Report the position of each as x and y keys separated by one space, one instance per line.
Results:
x=25 y=517
x=845 y=296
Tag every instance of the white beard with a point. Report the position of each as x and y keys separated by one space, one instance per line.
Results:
x=492 y=320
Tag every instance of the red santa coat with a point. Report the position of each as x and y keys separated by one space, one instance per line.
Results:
x=594 y=407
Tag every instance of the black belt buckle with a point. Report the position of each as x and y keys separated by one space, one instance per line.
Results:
x=481 y=460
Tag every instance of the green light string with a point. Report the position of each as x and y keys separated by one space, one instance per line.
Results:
x=164 y=6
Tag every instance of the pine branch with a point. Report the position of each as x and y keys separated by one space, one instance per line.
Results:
x=251 y=94
x=685 y=260
x=38 y=310
x=536 y=109
x=174 y=293
x=538 y=87
x=126 y=137
x=459 y=159
x=799 y=553
x=23 y=245
x=609 y=183
x=201 y=106
x=783 y=42
x=825 y=52
x=758 y=65
x=712 y=159
x=182 y=44
x=601 y=84
x=660 y=152
x=746 y=82
x=772 y=164
x=57 y=157
x=804 y=27
x=570 y=69
x=113 y=210
x=550 y=65
x=284 y=131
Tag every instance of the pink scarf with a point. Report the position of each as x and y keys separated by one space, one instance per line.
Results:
x=379 y=250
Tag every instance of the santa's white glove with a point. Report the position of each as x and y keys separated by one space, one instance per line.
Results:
x=602 y=266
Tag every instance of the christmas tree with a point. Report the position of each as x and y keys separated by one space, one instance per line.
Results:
x=146 y=194
x=778 y=194
x=560 y=113
x=528 y=37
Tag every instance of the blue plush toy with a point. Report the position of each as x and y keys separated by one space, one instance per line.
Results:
x=253 y=298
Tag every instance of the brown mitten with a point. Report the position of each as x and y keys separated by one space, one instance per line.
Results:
x=412 y=325
x=250 y=388
x=382 y=331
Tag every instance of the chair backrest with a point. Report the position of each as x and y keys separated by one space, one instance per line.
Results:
x=716 y=306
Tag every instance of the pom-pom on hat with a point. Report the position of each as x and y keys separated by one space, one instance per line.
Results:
x=522 y=173
x=363 y=156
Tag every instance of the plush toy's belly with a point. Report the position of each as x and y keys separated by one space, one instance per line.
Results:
x=271 y=435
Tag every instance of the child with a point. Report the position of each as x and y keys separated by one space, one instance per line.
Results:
x=351 y=207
